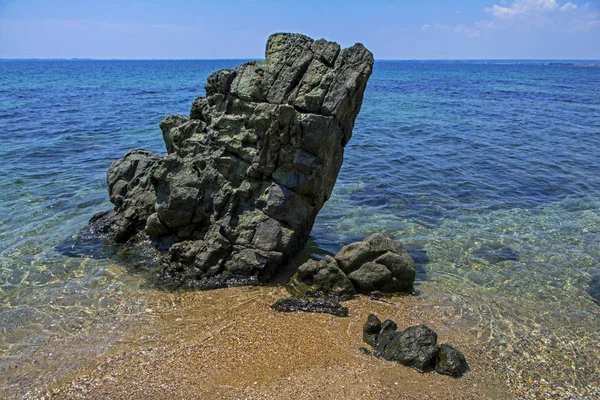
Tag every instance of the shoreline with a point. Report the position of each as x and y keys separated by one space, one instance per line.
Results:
x=229 y=343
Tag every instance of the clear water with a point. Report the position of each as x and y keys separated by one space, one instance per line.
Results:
x=489 y=172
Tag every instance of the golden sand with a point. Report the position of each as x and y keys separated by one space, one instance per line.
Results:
x=229 y=344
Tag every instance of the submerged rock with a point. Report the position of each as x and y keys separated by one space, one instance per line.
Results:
x=496 y=253
x=248 y=171
x=374 y=264
x=415 y=347
x=321 y=305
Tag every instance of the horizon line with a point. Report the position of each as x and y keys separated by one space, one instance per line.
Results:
x=260 y=59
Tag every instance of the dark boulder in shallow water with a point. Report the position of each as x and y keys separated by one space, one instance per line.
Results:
x=247 y=173
x=376 y=264
x=321 y=277
x=415 y=347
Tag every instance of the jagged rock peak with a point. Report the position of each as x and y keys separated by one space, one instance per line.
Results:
x=248 y=171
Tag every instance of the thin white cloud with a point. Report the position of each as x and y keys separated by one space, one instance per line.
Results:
x=471 y=30
x=528 y=8
x=525 y=15
x=568 y=6
x=476 y=29
x=532 y=14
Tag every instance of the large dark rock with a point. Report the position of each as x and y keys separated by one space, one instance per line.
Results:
x=416 y=347
x=248 y=171
x=374 y=264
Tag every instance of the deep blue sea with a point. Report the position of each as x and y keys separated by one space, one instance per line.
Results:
x=488 y=171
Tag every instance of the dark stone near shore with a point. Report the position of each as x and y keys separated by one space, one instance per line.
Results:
x=321 y=305
x=415 y=347
x=321 y=277
x=376 y=264
x=247 y=173
x=371 y=329
x=451 y=361
x=370 y=276
x=387 y=333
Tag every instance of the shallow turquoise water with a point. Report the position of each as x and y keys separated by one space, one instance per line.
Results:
x=489 y=172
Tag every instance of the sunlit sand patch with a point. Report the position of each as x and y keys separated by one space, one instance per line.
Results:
x=229 y=343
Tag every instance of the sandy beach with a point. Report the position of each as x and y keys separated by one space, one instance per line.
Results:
x=229 y=344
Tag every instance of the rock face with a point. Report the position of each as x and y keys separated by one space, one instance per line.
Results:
x=248 y=171
x=415 y=347
x=375 y=264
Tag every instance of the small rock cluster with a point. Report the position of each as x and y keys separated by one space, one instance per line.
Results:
x=415 y=347
x=376 y=264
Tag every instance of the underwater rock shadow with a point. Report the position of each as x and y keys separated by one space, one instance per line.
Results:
x=83 y=245
x=419 y=255
x=311 y=251
x=594 y=289
x=132 y=256
x=143 y=255
x=495 y=253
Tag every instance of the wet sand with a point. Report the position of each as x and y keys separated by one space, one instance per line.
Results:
x=229 y=344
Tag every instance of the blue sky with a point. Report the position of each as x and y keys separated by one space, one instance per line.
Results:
x=392 y=29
